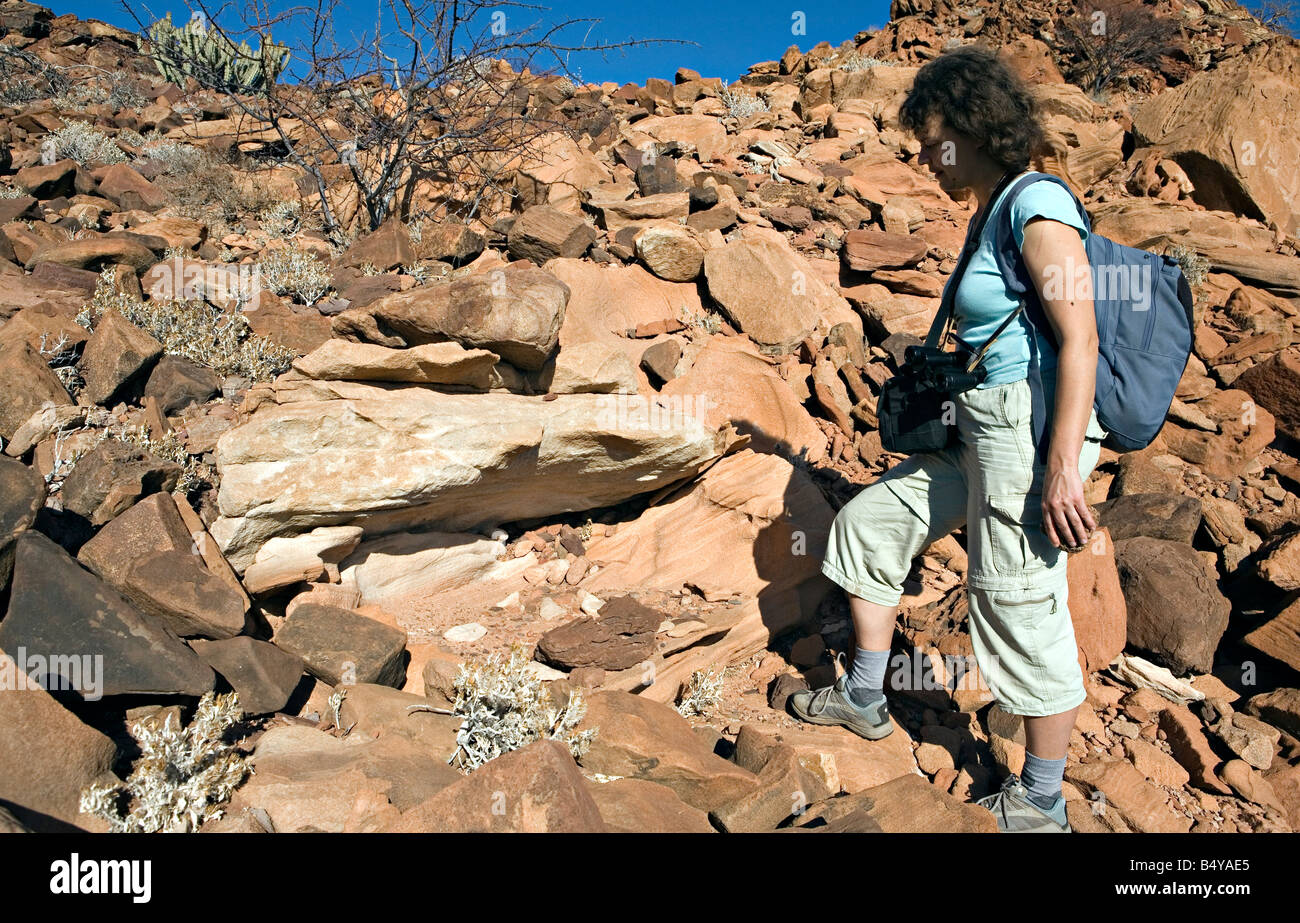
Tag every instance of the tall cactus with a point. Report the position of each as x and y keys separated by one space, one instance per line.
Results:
x=211 y=58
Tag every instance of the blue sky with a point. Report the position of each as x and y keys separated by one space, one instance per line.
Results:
x=731 y=34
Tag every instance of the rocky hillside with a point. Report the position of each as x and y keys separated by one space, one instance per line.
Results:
x=536 y=502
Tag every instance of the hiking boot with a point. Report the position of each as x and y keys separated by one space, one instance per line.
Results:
x=831 y=705
x=1017 y=814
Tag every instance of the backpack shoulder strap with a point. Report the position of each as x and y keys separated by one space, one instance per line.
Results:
x=1016 y=275
x=973 y=236
x=1007 y=253
x=1012 y=265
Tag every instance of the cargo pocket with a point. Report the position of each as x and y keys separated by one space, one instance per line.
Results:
x=1038 y=666
x=1029 y=603
x=1015 y=532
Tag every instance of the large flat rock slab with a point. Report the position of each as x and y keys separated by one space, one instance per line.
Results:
x=392 y=458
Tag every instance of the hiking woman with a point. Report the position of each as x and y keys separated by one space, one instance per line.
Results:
x=978 y=129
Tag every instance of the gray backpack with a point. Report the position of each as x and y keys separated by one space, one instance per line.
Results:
x=1144 y=329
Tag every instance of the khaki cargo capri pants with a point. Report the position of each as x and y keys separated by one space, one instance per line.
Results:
x=991 y=481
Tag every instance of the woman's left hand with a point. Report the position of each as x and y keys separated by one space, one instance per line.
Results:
x=1067 y=518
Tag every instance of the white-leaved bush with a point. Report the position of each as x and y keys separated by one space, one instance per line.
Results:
x=175 y=157
x=298 y=273
x=1194 y=266
x=282 y=219
x=504 y=706
x=183 y=777
x=701 y=694
x=420 y=271
x=742 y=105
x=856 y=61
x=85 y=144
x=116 y=90
x=193 y=329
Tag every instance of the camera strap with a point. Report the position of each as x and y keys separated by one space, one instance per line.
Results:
x=947 y=308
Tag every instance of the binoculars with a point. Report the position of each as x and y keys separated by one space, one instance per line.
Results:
x=948 y=371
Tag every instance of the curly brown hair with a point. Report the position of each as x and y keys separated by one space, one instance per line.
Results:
x=980 y=97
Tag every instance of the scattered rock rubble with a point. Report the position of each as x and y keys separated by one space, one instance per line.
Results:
x=606 y=426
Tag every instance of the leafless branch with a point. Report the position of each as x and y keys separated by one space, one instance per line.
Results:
x=1105 y=40
x=426 y=99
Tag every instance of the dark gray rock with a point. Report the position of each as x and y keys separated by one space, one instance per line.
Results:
x=22 y=494
x=329 y=638
x=542 y=233
x=112 y=477
x=148 y=555
x=622 y=637
x=49 y=757
x=176 y=383
x=59 y=609
x=1175 y=609
x=660 y=359
x=262 y=674
x=657 y=176
x=27 y=383
x=1170 y=517
x=117 y=353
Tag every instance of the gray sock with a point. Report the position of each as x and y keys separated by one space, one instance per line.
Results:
x=865 y=681
x=1043 y=780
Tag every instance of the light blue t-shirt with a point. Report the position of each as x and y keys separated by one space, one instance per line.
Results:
x=983 y=301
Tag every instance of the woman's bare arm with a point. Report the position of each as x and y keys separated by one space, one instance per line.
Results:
x=1058 y=266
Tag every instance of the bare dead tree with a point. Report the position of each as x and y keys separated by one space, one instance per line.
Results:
x=1106 y=40
x=1278 y=15
x=425 y=97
